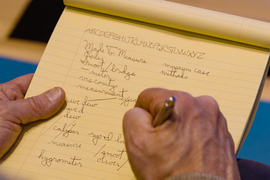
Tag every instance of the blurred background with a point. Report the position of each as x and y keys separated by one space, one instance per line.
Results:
x=26 y=26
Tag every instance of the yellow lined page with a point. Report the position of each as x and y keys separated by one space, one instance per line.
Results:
x=184 y=17
x=103 y=63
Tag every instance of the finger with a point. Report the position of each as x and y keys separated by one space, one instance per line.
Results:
x=23 y=82
x=153 y=99
x=137 y=119
x=217 y=123
x=210 y=108
x=136 y=122
x=16 y=88
x=38 y=107
x=150 y=96
x=137 y=129
x=209 y=105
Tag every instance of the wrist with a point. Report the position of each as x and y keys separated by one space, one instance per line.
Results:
x=194 y=176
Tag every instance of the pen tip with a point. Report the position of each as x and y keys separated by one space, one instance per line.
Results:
x=170 y=101
x=172 y=98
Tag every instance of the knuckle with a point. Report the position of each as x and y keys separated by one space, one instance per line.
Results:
x=189 y=101
x=37 y=106
x=209 y=103
x=11 y=90
x=210 y=110
x=203 y=109
x=184 y=98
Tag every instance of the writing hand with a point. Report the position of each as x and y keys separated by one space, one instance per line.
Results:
x=16 y=111
x=194 y=139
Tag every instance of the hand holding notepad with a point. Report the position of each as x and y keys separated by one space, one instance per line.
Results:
x=17 y=111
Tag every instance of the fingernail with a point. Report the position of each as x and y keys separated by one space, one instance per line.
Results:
x=54 y=94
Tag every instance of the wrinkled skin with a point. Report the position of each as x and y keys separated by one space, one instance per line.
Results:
x=194 y=139
x=15 y=111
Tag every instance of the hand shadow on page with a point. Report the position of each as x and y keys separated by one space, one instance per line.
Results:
x=28 y=127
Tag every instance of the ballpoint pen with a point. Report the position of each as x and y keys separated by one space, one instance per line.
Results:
x=165 y=112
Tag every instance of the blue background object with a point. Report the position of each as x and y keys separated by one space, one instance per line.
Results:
x=10 y=69
x=256 y=147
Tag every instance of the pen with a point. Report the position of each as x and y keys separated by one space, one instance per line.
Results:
x=165 y=112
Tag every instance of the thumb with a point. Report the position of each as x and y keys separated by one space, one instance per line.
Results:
x=39 y=107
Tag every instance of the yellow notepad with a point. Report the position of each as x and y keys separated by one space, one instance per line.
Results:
x=103 y=62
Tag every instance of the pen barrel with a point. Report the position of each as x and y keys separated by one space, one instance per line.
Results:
x=162 y=115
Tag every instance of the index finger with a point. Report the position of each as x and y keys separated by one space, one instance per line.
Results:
x=154 y=98
x=16 y=88
x=23 y=82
